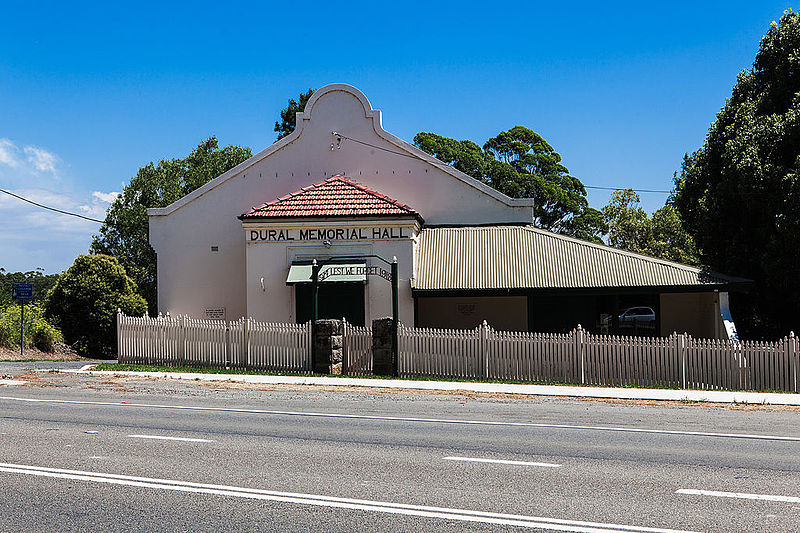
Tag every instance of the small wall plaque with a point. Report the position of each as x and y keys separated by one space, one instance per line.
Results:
x=215 y=313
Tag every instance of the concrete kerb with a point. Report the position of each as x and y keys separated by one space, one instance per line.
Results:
x=765 y=398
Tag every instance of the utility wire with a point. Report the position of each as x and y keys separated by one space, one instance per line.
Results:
x=337 y=134
x=374 y=146
x=90 y=219
x=52 y=208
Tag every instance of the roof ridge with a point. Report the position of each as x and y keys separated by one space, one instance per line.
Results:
x=611 y=249
x=367 y=190
x=339 y=195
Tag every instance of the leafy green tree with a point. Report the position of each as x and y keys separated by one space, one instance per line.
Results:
x=287 y=123
x=662 y=235
x=739 y=194
x=669 y=239
x=125 y=231
x=521 y=164
x=85 y=300
x=466 y=156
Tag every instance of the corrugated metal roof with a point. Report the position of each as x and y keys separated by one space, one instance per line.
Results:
x=512 y=257
x=336 y=196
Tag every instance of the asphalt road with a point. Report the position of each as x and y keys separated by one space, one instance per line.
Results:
x=91 y=454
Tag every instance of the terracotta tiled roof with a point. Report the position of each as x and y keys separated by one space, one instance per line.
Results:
x=336 y=196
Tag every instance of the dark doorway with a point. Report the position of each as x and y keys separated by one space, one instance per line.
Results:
x=336 y=300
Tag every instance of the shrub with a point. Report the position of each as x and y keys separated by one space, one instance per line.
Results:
x=38 y=331
x=46 y=336
x=84 y=303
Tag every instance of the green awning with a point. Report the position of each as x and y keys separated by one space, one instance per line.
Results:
x=331 y=273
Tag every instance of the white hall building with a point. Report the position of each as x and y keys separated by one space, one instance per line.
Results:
x=341 y=190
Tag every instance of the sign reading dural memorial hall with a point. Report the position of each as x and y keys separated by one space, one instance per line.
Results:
x=329 y=234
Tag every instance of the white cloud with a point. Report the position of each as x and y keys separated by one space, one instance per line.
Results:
x=9 y=153
x=41 y=159
x=28 y=159
x=107 y=197
x=97 y=206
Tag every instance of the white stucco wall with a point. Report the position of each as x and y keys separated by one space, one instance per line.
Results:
x=192 y=278
x=271 y=261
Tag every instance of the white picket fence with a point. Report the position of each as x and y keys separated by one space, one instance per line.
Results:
x=578 y=357
x=356 y=350
x=183 y=341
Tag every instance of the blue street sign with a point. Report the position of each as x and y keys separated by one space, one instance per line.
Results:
x=22 y=291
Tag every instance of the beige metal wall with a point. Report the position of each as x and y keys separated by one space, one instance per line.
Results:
x=506 y=313
x=697 y=314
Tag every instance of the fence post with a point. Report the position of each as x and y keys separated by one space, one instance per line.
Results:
x=345 y=348
x=119 y=334
x=227 y=344
x=159 y=344
x=579 y=349
x=680 y=347
x=182 y=360
x=794 y=361
x=245 y=355
x=483 y=334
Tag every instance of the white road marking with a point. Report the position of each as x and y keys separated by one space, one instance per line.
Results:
x=164 y=437
x=740 y=495
x=6 y=382
x=466 y=515
x=410 y=419
x=501 y=461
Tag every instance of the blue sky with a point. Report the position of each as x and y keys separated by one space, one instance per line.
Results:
x=91 y=92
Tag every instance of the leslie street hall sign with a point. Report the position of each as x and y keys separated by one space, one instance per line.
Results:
x=329 y=234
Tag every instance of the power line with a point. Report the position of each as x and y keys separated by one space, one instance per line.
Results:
x=373 y=146
x=337 y=134
x=90 y=219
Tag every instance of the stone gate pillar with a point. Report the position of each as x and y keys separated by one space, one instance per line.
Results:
x=328 y=346
x=382 y=363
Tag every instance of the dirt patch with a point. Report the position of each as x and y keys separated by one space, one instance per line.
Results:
x=490 y=395
x=62 y=352
x=687 y=403
x=133 y=384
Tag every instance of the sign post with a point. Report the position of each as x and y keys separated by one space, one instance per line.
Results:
x=395 y=318
x=315 y=313
x=22 y=292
